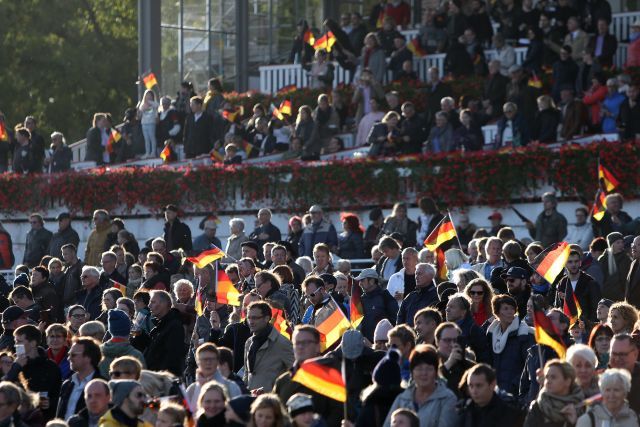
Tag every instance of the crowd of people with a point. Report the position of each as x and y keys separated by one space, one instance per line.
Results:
x=134 y=333
x=570 y=40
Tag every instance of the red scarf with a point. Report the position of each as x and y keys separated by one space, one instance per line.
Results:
x=57 y=358
x=480 y=316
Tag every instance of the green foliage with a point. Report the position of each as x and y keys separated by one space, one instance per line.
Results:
x=62 y=61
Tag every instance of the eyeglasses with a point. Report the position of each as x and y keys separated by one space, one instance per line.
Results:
x=312 y=294
x=118 y=374
x=472 y=293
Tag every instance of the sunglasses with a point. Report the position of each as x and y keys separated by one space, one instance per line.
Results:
x=476 y=293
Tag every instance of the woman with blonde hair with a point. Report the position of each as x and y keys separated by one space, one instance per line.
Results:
x=148 y=114
x=455 y=259
x=211 y=401
x=481 y=295
x=385 y=136
x=267 y=411
x=622 y=317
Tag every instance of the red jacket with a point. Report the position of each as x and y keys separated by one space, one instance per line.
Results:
x=633 y=54
x=593 y=98
x=401 y=13
x=6 y=251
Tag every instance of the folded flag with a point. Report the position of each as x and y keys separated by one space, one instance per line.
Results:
x=600 y=206
x=119 y=286
x=318 y=375
x=229 y=115
x=325 y=42
x=4 y=136
x=442 y=272
x=199 y=305
x=571 y=306
x=356 y=311
x=546 y=333
x=150 y=80
x=550 y=263
x=380 y=20
x=415 y=48
x=165 y=153
x=276 y=113
x=606 y=179
x=207 y=257
x=444 y=232
x=216 y=156
x=285 y=107
x=331 y=322
x=535 y=81
x=114 y=136
x=247 y=147
x=226 y=293
x=280 y=323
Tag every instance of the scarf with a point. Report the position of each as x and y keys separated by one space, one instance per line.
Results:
x=258 y=339
x=551 y=404
x=57 y=358
x=498 y=337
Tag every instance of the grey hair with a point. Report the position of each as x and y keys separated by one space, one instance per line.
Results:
x=428 y=268
x=91 y=271
x=583 y=351
x=57 y=134
x=612 y=375
x=237 y=221
x=180 y=283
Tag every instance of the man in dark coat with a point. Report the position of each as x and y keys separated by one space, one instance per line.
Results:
x=71 y=283
x=551 y=225
x=425 y=295
x=603 y=45
x=436 y=90
x=377 y=303
x=487 y=408
x=90 y=296
x=94 y=139
x=495 y=90
x=459 y=311
x=167 y=337
x=586 y=289
x=37 y=143
x=632 y=291
x=198 y=132
x=265 y=231
x=176 y=233
x=37 y=242
x=110 y=274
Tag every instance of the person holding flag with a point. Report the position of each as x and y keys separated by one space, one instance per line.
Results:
x=583 y=287
x=613 y=218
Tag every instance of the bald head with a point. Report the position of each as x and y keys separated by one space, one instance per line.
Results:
x=97 y=396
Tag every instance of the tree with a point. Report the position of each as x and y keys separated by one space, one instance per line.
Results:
x=62 y=61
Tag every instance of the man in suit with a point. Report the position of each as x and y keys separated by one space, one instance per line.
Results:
x=632 y=291
x=603 y=45
x=198 y=130
x=495 y=90
x=586 y=290
x=436 y=90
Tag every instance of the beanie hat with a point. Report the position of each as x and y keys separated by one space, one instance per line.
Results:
x=382 y=329
x=241 y=405
x=21 y=280
x=614 y=237
x=118 y=323
x=352 y=344
x=120 y=389
x=299 y=403
x=387 y=371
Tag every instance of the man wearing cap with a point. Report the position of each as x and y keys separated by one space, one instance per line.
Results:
x=250 y=249
x=496 y=223
x=12 y=318
x=377 y=303
x=517 y=280
x=425 y=295
x=265 y=231
x=301 y=410
x=585 y=288
x=97 y=240
x=551 y=225
x=615 y=267
x=65 y=235
x=129 y=401
x=208 y=239
x=306 y=345
x=632 y=290
x=177 y=234
x=318 y=231
x=37 y=241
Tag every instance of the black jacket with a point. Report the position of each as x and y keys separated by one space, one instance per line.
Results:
x=377 y=304
x=632 y=290
x=177 y=235
x=415 y=129
x=587 y=292
x=94 y=146
x=166 y=349
x=61 y=238
x=271 y=230
x=65 y=394
x=545 y=125
x=475 y=339
x=629 y=119
x=91 y=300
x=415 y=301
x=198 y=135
x=605 y=225
x=498 y=413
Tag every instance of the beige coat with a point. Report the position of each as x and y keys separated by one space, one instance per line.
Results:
x=96 y=245
x=273 y=358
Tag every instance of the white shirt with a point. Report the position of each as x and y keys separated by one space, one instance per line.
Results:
x=76 y=392
x=196 y=116
x=396 y=283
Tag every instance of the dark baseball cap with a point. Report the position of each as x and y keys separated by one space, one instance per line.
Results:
x=12 y=313
x=516 y=272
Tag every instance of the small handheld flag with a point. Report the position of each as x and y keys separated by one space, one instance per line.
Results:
x=317 y=375
x=149 y=80
x=550 y=263
x=226 y=293
x=308 y=37
x=280 y=323
x=356 y=310
x=114 y=137
x=571 y=306
x=207 y=257
x=331 y=323
x=3 y=132
x=325 y=42
x=444 y=232
x=600 y=206
x=606 y=179
x=285 y=107
x=415 y=48
x=165 y=154
x=546 y=333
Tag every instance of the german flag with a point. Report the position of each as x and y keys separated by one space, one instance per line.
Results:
x=119 y=286
x=165 y=153
x=4 y=136
x=546 y=333
x=308 y=37
x=600 y=206
x=149 y=80
x=356 y=311
x=606 y=179
x=285 y=107
x=550 y=263
x=415 y=48
x=444 y=232
x=287 y=88
x=207 y=257
x=535 y=81
x=247 y=147
x=280 y=323
x=331 y=323
x=114 y=136
x=380 y=21
x=442 y=272
x=216 y=156
x=325 y=42
x=230 y=116
x=318 y=375
x=571 y=306
x=199 y=305
x=277 y=113
x=226 y=293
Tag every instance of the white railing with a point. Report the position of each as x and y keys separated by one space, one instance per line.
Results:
x=621 y=24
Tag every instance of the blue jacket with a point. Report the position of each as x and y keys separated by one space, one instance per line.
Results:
x=475 y=339
x=415 y=301
x=350 y=245
x=611 y=104
x=529 y=386
x=377 y=304
x=510 y=362
x=323 y=232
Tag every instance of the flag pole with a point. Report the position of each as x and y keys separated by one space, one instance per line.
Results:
x=454 y=228
x=540 y=355
x=344 y=379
